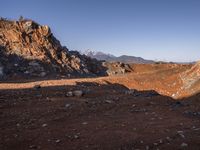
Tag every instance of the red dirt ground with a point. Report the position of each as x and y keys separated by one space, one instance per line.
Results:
x=108 y=116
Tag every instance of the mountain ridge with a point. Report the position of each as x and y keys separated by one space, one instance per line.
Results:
x=112 y=58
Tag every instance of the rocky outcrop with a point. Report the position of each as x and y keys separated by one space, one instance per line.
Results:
x=191 y=76
x=190 y=82
x=30 y=49
x=117 y=68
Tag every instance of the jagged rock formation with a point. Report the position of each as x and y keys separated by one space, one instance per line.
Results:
x=27 y=48
x=117 y=68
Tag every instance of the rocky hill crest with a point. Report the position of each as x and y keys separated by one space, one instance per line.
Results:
x=30 y=49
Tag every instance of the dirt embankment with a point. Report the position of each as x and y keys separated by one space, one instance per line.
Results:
x=162 y=78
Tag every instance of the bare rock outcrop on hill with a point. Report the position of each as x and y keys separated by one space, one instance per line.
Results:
x=30 y=49
x=117 y=68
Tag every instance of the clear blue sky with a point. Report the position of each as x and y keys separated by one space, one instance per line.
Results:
x=153 y=29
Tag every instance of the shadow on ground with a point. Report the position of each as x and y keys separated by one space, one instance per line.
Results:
x=108 y=116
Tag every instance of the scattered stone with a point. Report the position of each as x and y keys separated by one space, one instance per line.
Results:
x=78 y=93
x=160 y=141
x=26 y=72
x=69 y=94
x=196 y=129
x=109 y=101
x=44 y=125
x=67 y=105
x=184 y=145
x=133 y=105
x=181 y=134
x=76 y=136
x=58 y=141
x=84 y=123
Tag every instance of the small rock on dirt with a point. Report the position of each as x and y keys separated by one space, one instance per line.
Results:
x=58 y=141
x=109 y=101
x=84 y=123
x=78 y=93
x=184 y=145
x=44 y=125
x=76 y=136
x=67 y=105
x=69 y=94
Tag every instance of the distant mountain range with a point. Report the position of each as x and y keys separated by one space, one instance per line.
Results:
x=112 y=58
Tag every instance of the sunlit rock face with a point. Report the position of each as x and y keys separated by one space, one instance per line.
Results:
x=190 y=81
x=191 y=76
x=25 y=42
